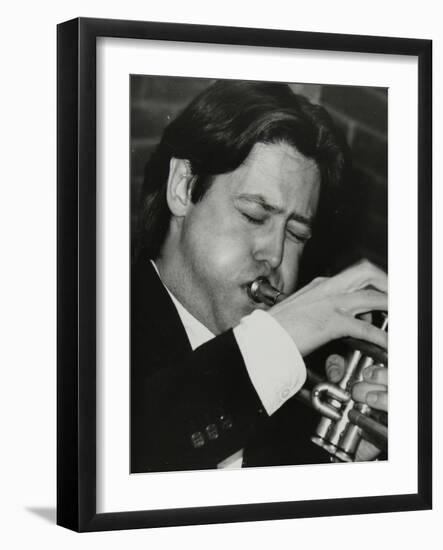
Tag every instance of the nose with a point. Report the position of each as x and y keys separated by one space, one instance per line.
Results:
x=269 y=247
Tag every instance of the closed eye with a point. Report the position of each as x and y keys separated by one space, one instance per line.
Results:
x=292 y=235
x=253 y=220
x=298 y=232
x=298 y=238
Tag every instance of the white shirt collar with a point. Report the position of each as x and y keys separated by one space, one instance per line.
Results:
x=196 y=331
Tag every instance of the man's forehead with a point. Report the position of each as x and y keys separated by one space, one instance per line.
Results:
x=278 y=150
x=277 y=162
x=275 y=167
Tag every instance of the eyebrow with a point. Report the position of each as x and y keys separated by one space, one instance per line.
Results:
x=272 y=209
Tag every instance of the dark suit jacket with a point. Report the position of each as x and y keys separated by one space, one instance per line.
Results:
x=192 y=409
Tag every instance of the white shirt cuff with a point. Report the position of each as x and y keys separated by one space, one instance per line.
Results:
x=274 y=364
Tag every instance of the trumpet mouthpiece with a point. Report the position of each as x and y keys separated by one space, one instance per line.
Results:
x=262 y=292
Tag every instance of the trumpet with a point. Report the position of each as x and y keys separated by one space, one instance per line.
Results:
x=343 y=422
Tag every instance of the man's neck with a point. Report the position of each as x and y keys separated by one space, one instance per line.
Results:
x=196 y=331
x=172 y=274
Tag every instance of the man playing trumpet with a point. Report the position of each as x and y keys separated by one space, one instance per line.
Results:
x=231 y=194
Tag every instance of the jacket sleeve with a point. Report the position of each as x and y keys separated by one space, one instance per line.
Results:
x=193 y=410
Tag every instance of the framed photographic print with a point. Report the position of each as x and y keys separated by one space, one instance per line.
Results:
x=238 y=210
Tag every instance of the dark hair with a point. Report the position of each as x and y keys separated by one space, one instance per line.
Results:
x=216 y=133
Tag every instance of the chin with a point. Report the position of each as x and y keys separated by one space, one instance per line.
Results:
x=232 y=313
x=228 y=321
x=235 y=319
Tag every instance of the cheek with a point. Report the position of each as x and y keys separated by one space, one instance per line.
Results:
x=216 y=245
x=228 y=254
x=290 y=269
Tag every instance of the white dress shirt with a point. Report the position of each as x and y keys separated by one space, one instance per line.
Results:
x=274 y=364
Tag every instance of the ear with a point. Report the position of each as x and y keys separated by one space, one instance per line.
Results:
x=178 y=192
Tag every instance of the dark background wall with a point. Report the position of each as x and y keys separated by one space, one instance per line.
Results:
x=361 y=113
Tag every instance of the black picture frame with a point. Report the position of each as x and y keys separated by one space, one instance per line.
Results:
x=76 y=266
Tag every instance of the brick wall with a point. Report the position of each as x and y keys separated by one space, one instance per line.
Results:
x=154 y=103
x=361 y=113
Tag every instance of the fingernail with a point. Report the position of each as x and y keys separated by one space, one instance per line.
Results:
x=334 y=372
x=331 y=361
x=371 y=399
x=368 y=373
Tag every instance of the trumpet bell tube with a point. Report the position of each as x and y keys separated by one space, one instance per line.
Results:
x=343 y=422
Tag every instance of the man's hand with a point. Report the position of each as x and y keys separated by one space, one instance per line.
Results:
x=373 y=391
x=326 y=309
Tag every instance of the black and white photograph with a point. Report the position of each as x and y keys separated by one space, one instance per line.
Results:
x=259 y=274
x=240 y=212
x=221 y=266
